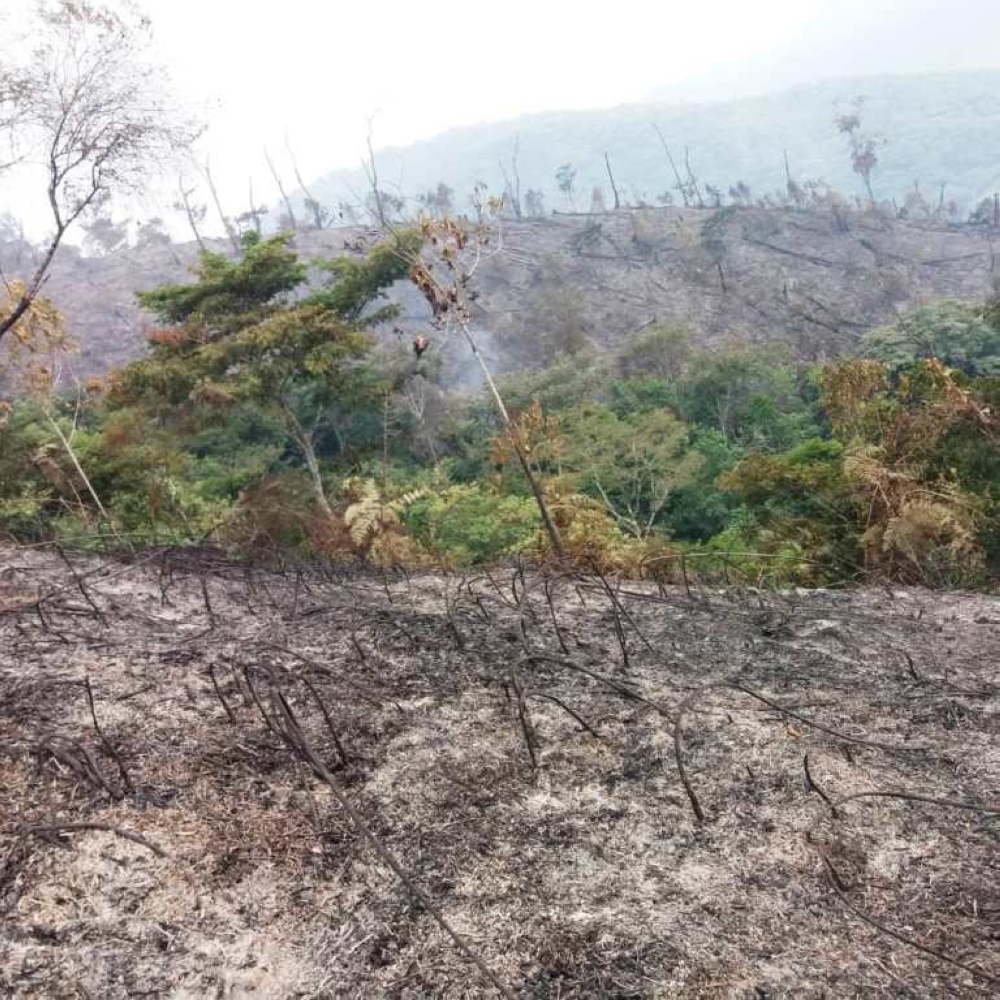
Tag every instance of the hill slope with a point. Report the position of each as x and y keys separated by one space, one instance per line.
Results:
x=938 y=128
x=815 y=280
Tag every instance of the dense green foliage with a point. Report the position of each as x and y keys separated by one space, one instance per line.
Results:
x=267 y=415
x=962 y=336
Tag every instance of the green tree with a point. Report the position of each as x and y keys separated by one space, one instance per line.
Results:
x=751 y=394
x=662 y=350
x=961 y=335
x=239 y=335
x=633 y=465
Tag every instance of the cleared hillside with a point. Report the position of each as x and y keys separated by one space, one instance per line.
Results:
x=814 y=280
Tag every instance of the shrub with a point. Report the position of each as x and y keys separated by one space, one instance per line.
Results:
x=469 y=524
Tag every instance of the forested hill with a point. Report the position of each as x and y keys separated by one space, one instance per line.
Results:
x=939 y=128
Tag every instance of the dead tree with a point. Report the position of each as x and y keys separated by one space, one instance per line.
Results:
x=319 y=214
x=692 y=180
x=281 y=189
x=371 y=172
x=681 y=186
x=231 y=233
x=194 y=214
x=611 y=177
x=512 y=181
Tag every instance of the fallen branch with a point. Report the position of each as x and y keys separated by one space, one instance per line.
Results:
x=50 y=829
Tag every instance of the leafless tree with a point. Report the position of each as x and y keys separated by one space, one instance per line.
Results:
x=320 y=215
x=194 y=213
x=566 y=179
x=512 y=181
x=682 y=187
x=614 y=186
x=13 y=94
x=90 y=110
x=534 y=203
x=227 y=223
x=692 y=180
x=281 y=188
x=253 y=215
x=371 y=172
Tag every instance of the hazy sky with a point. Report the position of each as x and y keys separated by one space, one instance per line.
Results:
x=316 y=71
x=320 y=70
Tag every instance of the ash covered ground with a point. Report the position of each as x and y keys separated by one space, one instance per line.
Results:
x=606 y=790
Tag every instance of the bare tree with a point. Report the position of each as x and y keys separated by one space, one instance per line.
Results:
x=194 y=213
x=377 y=198
x=253 y=215
x=444 y=277
x=512 y=180
x=792 y=186
x=692 y=180
x=320 y=215
x=13 y=101
x=227 y=224
x=681 y=185
x=534 y=203
x=281 y=189
x=614 y=186
x=93 y=108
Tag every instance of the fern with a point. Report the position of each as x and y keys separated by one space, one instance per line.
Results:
x=371 y=516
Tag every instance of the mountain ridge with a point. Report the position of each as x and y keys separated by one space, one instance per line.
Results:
x=938 y=127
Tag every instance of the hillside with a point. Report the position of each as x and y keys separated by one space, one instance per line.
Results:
x=815 y=280
x=938 y=128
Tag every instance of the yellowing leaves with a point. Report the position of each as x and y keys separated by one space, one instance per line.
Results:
x=40 y=330
x=373 y=523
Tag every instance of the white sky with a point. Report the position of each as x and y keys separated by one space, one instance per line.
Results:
x=323 y=68
x=318 y=70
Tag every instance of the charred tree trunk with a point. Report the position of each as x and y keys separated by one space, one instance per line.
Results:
x=611 y=177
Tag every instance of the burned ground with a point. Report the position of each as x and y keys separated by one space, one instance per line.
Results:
x=177 y=730
x=813 y=280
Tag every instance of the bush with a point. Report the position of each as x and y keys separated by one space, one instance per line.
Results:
x=468 y=524
x=960 y=335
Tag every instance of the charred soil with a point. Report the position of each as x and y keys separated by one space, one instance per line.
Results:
x=607 y=790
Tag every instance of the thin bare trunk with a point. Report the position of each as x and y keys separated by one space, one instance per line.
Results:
x=371 y=169
x=512 y=184
x=611 y=177
x=311 y=202
x=692 y=180
x=189 y=212
x=539 y=494
x=227 y=225
x=85 y=479
x=304 y=440
x=385 y=443
x=681 y=186
x=281 y=189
